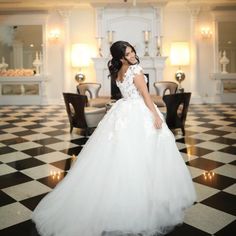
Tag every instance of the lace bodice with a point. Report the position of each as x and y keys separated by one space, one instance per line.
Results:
x=127 y=87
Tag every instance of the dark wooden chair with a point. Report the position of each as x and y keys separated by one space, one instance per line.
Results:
x=79 y=115
x=177 y=108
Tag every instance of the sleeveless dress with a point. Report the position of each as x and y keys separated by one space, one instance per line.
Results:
x=129 y=178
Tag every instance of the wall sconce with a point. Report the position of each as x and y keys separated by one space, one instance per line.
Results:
x=179 y=56
x=80 y=57
x=206 y=32
x=54 y=35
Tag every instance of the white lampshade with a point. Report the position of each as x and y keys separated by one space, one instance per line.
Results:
x=179 y=54
x=80 y=55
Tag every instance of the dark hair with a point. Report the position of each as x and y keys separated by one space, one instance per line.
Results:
x=117 y=51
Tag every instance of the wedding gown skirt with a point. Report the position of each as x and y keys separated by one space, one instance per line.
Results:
x=129 y=178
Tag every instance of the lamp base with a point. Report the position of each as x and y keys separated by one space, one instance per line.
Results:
x=180 y=90
x=80 y=77
x=179 y=76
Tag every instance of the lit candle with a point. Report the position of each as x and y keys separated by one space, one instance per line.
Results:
x=37 y=55
x=146 y=36
x=110 y=36
x=99 y=42
x=40 y=56
x=158 y=41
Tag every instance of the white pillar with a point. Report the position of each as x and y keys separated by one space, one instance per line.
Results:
x=68 y=82
x=194 y=75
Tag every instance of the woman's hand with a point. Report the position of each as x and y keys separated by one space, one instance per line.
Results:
x=157 y=122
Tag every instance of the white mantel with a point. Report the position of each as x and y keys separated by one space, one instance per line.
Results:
x=153 y=66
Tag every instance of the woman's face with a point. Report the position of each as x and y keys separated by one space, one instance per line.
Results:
x=130 y=56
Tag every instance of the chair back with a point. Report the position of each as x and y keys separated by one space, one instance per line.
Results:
x=75 y=105
x=177 y=108
x=163 y=86
x=89 y=88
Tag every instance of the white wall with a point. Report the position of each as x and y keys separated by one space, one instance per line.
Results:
x=81 y=30
x=176 y=27
x=54 y=61
x=82 y=27
x=81 y=23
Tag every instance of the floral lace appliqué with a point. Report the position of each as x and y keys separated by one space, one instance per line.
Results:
x=127 y=87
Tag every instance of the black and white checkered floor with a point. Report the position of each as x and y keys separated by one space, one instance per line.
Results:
x=36 y=151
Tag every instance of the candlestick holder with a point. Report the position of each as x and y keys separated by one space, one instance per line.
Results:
x=146 y=53
x=37 y=64
x=3 y=65
x=110 y=36
x=99 y=39
x=224 y=61
x=146 y=42
x=158 y=45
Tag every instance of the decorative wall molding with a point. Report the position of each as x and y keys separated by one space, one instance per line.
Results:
x=219 y=16
x=128 y=24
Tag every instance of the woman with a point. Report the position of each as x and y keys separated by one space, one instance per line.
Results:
x=128 y=176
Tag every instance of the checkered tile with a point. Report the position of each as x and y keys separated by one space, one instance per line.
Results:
x=37 y=150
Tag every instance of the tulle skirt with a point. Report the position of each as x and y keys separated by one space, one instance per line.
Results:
x=129 y=179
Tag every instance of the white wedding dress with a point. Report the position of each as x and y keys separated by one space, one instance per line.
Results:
x=129 y=178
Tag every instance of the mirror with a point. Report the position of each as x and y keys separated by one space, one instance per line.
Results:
x=19 y=45
x=227 y=43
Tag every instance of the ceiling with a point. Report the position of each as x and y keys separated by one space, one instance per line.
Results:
x=29 y=5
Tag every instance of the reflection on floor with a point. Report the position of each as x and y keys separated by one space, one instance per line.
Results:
x=36 y=151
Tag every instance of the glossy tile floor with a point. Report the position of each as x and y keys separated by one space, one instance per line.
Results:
x=36 y=151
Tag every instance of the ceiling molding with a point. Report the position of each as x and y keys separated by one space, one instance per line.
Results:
x=32 y=5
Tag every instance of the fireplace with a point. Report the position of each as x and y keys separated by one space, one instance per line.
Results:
x=129 y=25
x=115 y=91
x=153 y=66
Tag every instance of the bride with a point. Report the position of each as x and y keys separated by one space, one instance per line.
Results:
x=129 y=178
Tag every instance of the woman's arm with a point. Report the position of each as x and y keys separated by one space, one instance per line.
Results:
x=142 y=87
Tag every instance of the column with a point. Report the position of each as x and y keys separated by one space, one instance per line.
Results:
x=68 y=82
x=196 y=98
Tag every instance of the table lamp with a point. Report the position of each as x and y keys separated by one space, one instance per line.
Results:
x=179 y=56
x=79 y=59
